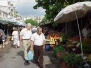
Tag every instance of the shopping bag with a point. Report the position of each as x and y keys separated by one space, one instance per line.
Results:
x=30 y=55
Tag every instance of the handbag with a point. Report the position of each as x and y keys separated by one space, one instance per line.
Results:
x=30 y=55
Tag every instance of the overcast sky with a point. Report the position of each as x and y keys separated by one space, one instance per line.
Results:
x=25 y=8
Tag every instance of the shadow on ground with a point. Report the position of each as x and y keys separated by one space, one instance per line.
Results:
x=21 y=53
x=55 y=63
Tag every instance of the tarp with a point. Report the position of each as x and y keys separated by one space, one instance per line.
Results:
x=3 y=21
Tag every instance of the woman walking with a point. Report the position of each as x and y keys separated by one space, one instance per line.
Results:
x=15 y=35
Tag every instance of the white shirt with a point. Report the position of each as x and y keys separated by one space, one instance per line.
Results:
x=25 y=33
x=85 y=32
x=38 y=39
x=15 y=33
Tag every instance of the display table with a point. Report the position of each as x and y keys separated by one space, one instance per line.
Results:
x=49 y=42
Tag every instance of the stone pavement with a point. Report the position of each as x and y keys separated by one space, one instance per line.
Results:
x=13 y=58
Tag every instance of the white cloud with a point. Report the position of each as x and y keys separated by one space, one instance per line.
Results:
x=25 y=7
x=18 y=2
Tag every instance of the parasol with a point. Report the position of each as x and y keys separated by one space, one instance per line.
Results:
x=73 y=12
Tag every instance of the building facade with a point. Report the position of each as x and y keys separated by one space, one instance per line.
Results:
x=7 y=9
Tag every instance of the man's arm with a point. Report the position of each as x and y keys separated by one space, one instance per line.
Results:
x=32 y=42
x=21 y=39
x=43 y=41
x=20 y=36
x=44 y=44
x=31 y=45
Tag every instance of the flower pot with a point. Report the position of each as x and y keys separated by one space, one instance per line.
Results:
x=63 y=65
x=70 y=67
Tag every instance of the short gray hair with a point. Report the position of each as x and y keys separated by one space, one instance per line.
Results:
x=39 y=28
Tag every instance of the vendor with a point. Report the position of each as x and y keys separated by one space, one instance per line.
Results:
x=86 y=32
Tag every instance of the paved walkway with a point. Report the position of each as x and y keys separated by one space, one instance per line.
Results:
x=13 y=58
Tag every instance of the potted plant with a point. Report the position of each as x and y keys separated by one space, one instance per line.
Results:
x=70 y=60
x=57 y=50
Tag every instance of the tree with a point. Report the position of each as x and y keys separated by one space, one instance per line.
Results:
x=53 y=7
x=32 y=22
x=44 y=18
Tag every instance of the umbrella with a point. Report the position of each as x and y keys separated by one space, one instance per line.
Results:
x=73 y=12
x=3 y=21
x=11 y=20
x=22 y=23
x=68 y=14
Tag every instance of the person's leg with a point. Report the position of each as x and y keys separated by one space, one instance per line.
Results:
x=14 y=42
x=25 y=48
x=36 y=54
x=41 y=56
x=18 y=43
x=3 y=44
x=26 y=44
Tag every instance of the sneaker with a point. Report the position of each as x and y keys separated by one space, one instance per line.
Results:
x=27 y=61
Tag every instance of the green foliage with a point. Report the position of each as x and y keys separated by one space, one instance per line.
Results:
x=58 y=48
x=64 y=37
x=44 y=18
x=72 y=59
x=52 y=7
x=32 y=22
x=86 y=47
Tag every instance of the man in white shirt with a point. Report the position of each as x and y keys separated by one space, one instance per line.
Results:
x=38 y=40
x=25 y=36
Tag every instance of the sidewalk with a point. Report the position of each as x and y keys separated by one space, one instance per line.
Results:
x=7 y=48
x=13 y=58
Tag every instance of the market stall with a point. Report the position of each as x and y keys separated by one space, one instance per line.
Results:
x=74 y=44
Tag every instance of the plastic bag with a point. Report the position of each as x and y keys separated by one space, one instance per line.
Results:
x=30 y=55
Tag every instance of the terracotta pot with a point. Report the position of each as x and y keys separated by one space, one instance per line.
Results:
x=63 y=65
x=70 y=67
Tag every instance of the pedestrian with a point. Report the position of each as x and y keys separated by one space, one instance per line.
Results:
x=38 y=44
x=15 y=37
x=2 y=38
x=34 y=29
x=25 y=36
